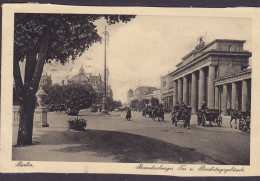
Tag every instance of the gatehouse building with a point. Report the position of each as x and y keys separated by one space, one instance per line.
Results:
x=216 y=73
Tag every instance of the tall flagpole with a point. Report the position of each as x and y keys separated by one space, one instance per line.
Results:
x=104 y=106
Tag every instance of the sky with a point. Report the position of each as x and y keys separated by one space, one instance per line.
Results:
x=141 y=51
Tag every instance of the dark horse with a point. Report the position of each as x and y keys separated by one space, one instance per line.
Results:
x=159 y=113
x=181 y=113
x=235 y=114
x=128 y=115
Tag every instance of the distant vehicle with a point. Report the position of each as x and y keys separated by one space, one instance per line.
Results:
x=72 y=112
x=94 y=108
x=211 y=115
x=181 y=113
x=117 y=110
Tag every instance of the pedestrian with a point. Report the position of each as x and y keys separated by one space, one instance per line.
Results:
x=128 y=114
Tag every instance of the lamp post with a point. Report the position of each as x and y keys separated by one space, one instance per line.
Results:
x=104 y=106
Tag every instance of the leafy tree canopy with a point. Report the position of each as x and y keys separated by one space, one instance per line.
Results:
x=143 y=103
x=134 y=103
x=40 y=38
x=70 y=34
x=154 y=101
x=78 y=96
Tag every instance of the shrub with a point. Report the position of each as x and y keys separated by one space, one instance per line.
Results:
x=77 y=124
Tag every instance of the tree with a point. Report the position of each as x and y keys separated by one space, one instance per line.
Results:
x=117 y=104
x=134 y=103
x=78 y=97
x=143 y=103
x=109 y=103
x=154 y=101
x=55 y=94
x=40 y=38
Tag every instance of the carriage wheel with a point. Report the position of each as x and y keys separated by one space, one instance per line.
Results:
x=188 y=121
x=176 y=121
x=173 y=119
x=203 y=120
x=199 y=120
x=219 y=121
x=240 y=125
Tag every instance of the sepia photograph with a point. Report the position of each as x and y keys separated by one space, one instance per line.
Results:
x=162 y=92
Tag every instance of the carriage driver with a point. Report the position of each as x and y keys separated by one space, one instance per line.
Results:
x=183 y=106
x=203 y=106
x=176 y=106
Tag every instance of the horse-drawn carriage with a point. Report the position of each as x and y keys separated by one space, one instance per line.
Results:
x=181 y=113
x=158 y=112
x=243 y=117
x=211 y=115
x=148 y=111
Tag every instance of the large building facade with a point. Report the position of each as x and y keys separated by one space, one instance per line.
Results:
x=45 y=80
x=216 y=73
x=95 y=81
x=142 y=92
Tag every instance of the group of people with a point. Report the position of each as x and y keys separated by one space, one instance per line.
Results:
x=178 y=106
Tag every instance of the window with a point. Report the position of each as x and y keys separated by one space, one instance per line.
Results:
x=164 y=83
x=230 y=48
x=216 y=72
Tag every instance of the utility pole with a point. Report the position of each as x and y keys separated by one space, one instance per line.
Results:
x=104 y=106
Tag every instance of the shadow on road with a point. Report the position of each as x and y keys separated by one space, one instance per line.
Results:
x=123 y=147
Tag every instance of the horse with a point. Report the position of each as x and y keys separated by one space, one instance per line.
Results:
x=235 y=114
x=183 y=113
x=128 y=115
x=159 y=113
x=144 y=112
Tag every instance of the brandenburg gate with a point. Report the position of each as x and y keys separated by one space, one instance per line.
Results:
x=216 y=73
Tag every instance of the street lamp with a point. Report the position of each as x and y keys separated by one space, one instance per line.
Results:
x=104 y=106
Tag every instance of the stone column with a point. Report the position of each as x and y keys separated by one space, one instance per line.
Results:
x=216 y=97
x=234 y=96
x=201 y=87
x=185 y=90
x=211 y=86
x=244 y=95
x=194 y=91
x=167 y=102
x=224 y=102
x=175 y=94
x=179 y=90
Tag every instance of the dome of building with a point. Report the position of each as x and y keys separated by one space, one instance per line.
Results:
x=130 y=92
x=81 y=77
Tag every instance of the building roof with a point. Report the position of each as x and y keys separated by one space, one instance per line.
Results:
x=130 y=91
x=81 y=77
x=213 y=51
x=145 y=89
x=211 y=43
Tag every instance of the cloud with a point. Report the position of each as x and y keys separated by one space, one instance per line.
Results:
x=142 y=50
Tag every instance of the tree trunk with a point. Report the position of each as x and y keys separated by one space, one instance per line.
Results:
x=28 y=91
x=26 y=120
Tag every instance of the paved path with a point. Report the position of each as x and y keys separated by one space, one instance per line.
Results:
x=112 y=139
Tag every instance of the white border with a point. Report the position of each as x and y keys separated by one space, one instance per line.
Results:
x=7 y=165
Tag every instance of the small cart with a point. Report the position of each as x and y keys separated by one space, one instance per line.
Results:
x=210 y=115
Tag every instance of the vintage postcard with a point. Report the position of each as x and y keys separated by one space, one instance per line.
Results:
x=161 y=91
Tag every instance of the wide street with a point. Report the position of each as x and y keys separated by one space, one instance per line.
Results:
x=113 y=139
